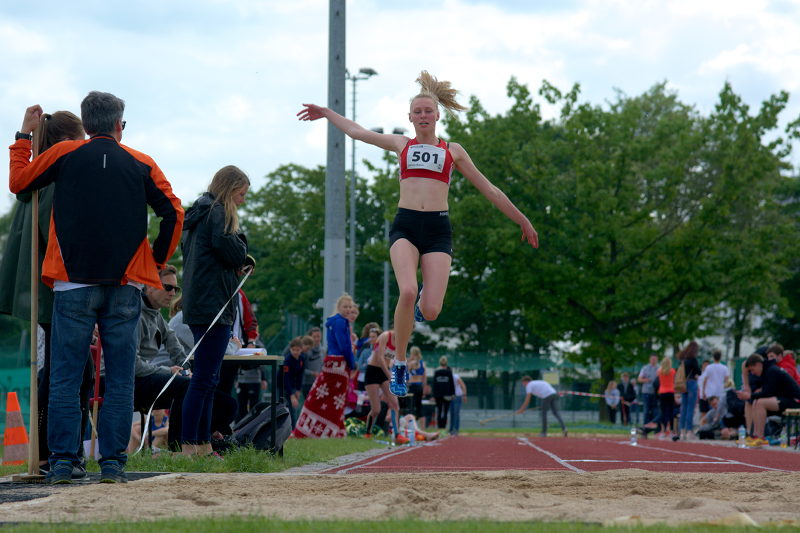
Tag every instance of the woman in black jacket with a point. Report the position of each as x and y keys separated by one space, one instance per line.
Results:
x=444 y=388
x=213 y=251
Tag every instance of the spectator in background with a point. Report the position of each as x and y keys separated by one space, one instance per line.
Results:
x=444 y=389
x=181 y=330
x=214 y=250
x=416 y=381
x=293 y=376
x=702 y=403
x=376 y=381
x=778 y=392
x=612 y=398
x=689 y=398
x=364 y=349
x=455 y=407
x=666 y=397
x=627 y=393
x=314 y=358
x=96 y=268
x=154 y=333
x=713 y=378
x=711 y=421
x=549 y=398
x=647 y=377
x=15 y=261
x=734 y=412
x=785 y=360
x=323 y=411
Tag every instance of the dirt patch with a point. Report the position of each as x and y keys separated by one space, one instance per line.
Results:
x=602 y=497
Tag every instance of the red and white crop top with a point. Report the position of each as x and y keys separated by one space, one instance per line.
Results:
x=426 y=161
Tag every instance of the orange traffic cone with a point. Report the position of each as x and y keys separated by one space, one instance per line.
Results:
x=15 y=439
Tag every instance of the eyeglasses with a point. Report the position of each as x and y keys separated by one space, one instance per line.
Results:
x=123 y=124
x=168 y=287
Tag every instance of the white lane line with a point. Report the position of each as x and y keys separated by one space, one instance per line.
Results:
x=368 y=463
x=554 y=457
x=704 y=456
x=647 y=462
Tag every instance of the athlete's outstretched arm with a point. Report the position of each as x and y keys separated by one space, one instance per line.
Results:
x=387 y=141
x=465 y=165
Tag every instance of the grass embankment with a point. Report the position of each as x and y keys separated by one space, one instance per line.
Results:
x=246 y=525
x=297 y=452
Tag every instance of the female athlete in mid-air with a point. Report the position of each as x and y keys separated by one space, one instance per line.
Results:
x=420 y=233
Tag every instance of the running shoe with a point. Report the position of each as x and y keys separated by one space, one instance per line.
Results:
x=398 y=382
x=60 y=473
x=418 y=316
x=757 y=443
x=112 y=472
x=401 y=439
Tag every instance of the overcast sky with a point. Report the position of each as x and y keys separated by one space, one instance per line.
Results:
x=214 y=82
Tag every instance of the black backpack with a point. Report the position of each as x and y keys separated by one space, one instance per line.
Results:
x=255 y=429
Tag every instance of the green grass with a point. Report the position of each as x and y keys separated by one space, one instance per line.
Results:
x=243 y=524
x=297 y=452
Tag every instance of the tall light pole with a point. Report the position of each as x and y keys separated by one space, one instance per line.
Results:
x=364 y=73
x=396 y=131
x=335 y=197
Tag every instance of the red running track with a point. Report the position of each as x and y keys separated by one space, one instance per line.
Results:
x=470 y=454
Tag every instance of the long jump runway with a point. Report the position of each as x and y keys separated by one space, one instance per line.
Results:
x=579 y=455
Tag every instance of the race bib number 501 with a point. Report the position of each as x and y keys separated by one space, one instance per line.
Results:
x=426 y=157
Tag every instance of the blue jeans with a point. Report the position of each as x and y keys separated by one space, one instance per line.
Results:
x=116 y=310
x=688 y=404
x=199 y=399
x=455 y=415
x=650 y=402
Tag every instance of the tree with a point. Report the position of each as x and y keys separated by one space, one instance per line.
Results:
x=645 y=211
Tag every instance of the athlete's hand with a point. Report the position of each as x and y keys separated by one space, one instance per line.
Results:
x=32 y=118
x=311 y=112
x=529 y=234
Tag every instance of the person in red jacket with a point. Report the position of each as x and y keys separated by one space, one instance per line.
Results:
x=785 y=360
x=98 y=259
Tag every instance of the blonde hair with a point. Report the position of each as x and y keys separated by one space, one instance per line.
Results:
x=225 y=182
x=415 y=353
x=344 y=297
x=666 y=364
x=611 y=385
x=443 y=360
x=441 y=92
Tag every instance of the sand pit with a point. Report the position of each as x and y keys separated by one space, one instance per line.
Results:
x=601 y=497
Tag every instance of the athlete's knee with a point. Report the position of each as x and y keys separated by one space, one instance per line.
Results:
x=407 y=294
x=430 y=312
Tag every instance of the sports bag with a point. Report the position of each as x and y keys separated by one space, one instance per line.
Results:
x=255 y=429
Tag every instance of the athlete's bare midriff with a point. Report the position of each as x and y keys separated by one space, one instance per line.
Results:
x=423 y=194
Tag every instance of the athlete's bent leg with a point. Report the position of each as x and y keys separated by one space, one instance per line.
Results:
x=435 y=274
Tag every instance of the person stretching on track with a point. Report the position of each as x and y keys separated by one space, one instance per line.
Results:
x=421 y=232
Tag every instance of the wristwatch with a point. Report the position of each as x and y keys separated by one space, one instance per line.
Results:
x=19 y=135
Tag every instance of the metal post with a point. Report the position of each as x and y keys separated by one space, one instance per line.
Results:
x=334 y=275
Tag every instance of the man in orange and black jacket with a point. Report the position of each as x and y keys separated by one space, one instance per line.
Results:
x=97 y=261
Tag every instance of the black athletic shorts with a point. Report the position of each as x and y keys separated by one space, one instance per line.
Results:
x=787 y=403
x=428 y=231
x=374 y=376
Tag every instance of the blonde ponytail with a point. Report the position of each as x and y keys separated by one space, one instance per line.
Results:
x=441 y=92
